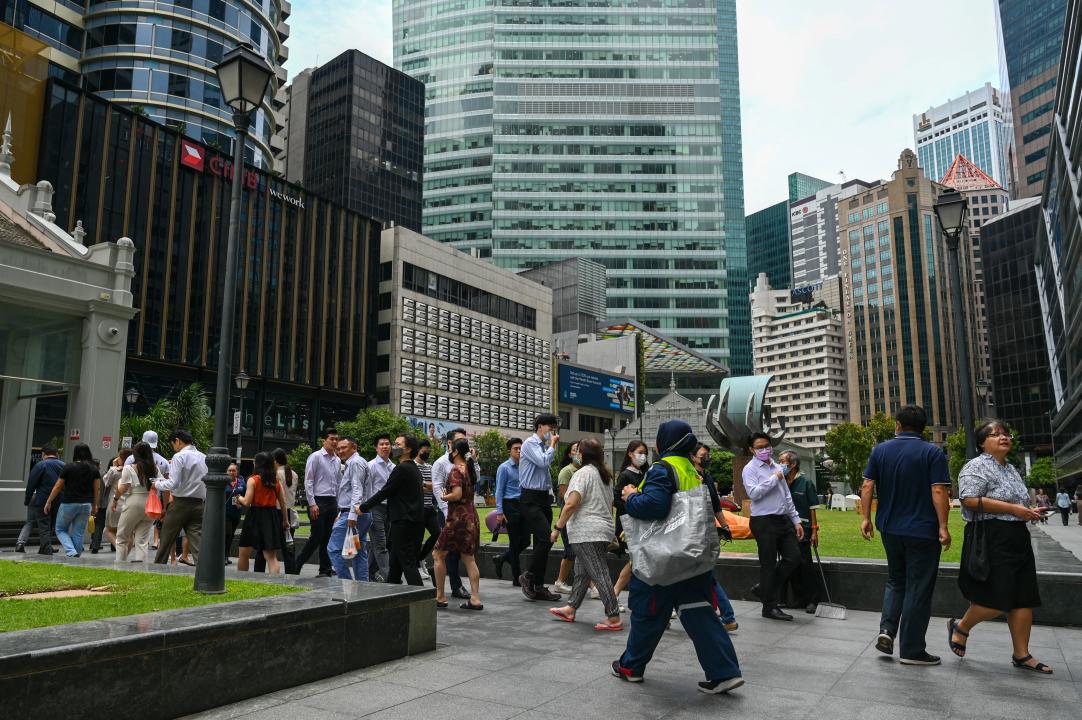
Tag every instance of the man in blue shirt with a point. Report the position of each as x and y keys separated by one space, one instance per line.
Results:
x=910 y=479
x=507 y=508
x=38 y=486
x=535 y=503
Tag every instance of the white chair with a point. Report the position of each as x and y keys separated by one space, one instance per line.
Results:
x=851 y=502
x=837 y=502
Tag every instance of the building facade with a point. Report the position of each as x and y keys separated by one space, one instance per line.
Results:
x=294 y=97
x=306 y=305
x=363 y=137
x=974 y=125
x=159 y=57
x=579 y=300
x=460 y=341
x=813 y=233
x=768 y=246
x=608 y=131
x=802 y=186
x=1018 y=358
x=1058 y=263
x=900 y=341
x=803 y=347
x=1030 y=33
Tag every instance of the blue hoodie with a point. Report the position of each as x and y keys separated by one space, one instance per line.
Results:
x=653 y=501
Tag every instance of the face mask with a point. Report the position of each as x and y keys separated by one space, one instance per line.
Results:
x=764 y=454
x=396 y=452
x=548 y=436
x=423 y=456
x=577 y=459
x=639 y=459
x=784 y=469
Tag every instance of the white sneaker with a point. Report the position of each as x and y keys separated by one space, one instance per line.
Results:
x=595 y=594
x=424 y=572
x=561 y=587
x=623 y=609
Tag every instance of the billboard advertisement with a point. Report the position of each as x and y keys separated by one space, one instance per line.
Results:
x=578 y=386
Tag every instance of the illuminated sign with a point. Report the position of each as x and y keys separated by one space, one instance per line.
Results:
x=578 y=386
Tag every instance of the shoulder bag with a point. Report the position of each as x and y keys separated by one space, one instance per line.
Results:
x=977 y=562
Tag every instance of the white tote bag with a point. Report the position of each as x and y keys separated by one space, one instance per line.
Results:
x=681 y=546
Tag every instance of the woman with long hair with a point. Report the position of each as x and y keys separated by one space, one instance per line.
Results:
x=112 y=512
x=461 y=530
x=570 y=462
x=632 y=470
x=80 y=481
x=587 y=519
x=266 y=518
x=136 y=482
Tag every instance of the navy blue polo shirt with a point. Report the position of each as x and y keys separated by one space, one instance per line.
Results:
x=904 y=470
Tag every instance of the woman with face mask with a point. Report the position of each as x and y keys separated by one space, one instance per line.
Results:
x=569 y=464
x=632 y=470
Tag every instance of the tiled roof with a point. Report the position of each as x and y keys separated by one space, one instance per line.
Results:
x=663 y=353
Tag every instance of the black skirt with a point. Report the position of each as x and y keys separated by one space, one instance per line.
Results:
x=262 y=529
x=1012 y=582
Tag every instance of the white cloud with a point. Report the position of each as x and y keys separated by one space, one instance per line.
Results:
x=826 y=85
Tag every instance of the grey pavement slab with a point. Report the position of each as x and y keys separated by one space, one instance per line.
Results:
x=1068 y=537
x=513 y=661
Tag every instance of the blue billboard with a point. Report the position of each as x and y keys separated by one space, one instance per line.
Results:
x=578 y=386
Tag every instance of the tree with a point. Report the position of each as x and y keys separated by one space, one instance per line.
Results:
x=849 y=445
x=491 y=451
x=1042 y=473
x=370 y=423
x=720 y=468
x=189 y=410
x=881 y=426
x=296 y=460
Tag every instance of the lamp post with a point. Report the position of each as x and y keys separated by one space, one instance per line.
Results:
x=130 y=396
x=950 y=211
x=242 y=381
x=243 y=77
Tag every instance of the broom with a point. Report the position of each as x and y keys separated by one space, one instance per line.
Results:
x=828 y=609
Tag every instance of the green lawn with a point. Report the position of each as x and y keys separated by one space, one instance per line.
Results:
x=131 y=593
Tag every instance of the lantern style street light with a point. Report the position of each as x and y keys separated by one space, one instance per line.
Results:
x=242 y=381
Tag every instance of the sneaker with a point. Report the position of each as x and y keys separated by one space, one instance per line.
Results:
x=885 y=643
x=527 y=587
x=561 y=587
x=424 y=572
x=595 y=594
x=625 y=674
x=20 y=548
x=923 y=659
x=732 y=627
x=717 y=687
x=543 y=593
x=623 y=609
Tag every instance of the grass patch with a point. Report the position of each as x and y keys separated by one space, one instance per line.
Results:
x=131 y=593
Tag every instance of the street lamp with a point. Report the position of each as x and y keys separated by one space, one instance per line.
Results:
x=243 y=77
x=242 y=381
x=130 y=396
x=950 y=211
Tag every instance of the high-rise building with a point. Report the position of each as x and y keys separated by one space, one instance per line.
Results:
x=900 y=341
x=974 y=125
x=159 y=58
x=987 y=199
x=1058 y=263
x=609 y=132
x=579 y=300
x=813 y=233
x=802 y=186
x=1029 y=33
x=768 y=244
x=1019 y=361
x=803 y=346
x=362 y=136
x=295 y=125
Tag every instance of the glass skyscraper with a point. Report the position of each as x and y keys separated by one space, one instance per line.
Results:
x=605 y=129
x=974 y=125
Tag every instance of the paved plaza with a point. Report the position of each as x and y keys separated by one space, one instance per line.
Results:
x=513 y=661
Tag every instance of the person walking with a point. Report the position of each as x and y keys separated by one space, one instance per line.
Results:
x=995 y=498
x=80 y=481
x=569 y=465
x=652 y=605
x=379 y=472
x=266 y=517
x=535 y=503
x=461 y=530
x=701 y=459
x=187 y=470
x=1063 y=504
x=321 y=473
x=910 y=479
x=151 y=438
x=353 y=489
x=775 y=524
x=1042 y=503
x=586 y=519
x=136 y=482
x=632 y=470
x=507 y=509
x=234 y=509
x=1078 y=502
x=105 y=521
x=441 y=470
x=288 y=479
x=806 y=501
x=431 y=518
x=39 y=486
x=403 y=497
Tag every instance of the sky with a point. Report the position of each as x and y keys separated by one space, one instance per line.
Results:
x=827 y=86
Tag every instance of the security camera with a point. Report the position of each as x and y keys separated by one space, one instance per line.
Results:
x=114 y=331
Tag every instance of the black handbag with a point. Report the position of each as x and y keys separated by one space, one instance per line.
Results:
x=977 y=562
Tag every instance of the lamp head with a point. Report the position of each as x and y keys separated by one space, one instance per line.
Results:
x=242 y=381
x=243 y=76
x=950 y=211
x=131 y=395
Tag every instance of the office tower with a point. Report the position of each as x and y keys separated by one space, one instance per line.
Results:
x=987 y=199
x=974 y=125
x=900 y=342
x=768 y=244
x=1030 y=33
x=803 y=346
x=295 y=125
x=1019 y=360
x=579 y=300
x=1058 y=263
x=802 y=186
x=159 y=57
x=363 y=137
x=813 y=233
x=606 y=132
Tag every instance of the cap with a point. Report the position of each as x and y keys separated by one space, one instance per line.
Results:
x=151 y=438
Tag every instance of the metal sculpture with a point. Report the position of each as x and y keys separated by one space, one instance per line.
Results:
x=740 y=409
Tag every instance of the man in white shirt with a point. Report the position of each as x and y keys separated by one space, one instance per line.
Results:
x=151 y=438
x=187 y=471
x=353 y=489
x=379 y=469
x=322 y=472
x=440 y=470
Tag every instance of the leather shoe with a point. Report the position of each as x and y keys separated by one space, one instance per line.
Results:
x=460 y=593
x=498 y=563
x=775 y=613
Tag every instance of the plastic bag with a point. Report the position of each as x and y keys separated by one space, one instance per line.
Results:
x=153 y=507
x=682 y=546
x=351 y=544
x=90 y=525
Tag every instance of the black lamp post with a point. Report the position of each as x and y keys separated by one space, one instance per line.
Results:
x=950 y=211
x=130 y=396
x=242 y=381
x=243 y=76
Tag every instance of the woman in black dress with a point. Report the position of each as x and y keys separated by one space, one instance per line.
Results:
x=632 y=471
x=267 y=514
x=989 y=483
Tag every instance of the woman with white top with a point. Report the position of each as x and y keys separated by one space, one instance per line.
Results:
x=136 y=480
x=587 y=515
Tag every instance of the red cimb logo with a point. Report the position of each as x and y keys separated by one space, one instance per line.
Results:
x=192 y=155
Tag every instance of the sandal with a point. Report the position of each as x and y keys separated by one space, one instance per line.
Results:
x=1038 y=668
x=441 y=604
x=958 y=649
x=471 y=606
x=606 y=627
x=561 y=616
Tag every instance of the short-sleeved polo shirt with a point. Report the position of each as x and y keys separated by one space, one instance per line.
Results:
x=904 y=470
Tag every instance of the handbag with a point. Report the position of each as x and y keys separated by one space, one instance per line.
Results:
x=977 y=562
x=681 y=546
x=153 y=507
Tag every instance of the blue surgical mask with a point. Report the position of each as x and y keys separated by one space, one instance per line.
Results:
x=784 y=469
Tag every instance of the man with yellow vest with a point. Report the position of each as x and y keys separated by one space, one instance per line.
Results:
x=693 y=599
